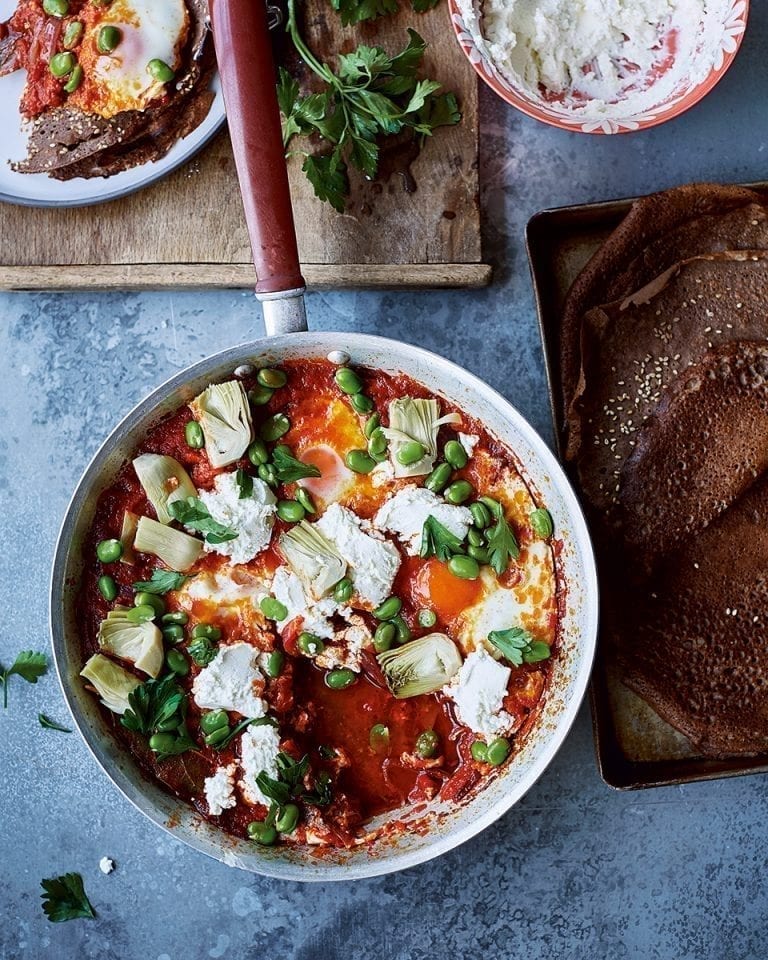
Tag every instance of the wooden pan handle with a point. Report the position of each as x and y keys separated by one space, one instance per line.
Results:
x=247 y=71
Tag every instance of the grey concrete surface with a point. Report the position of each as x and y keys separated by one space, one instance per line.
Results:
x=574 y=870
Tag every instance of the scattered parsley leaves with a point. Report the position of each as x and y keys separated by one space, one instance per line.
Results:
x=65 y=898
x=192 y=513
x=244 y=483
x=288 y=468
x=289 y=784
x=438 y=541
x=519 y=646
x=162 y=581
x=160 y=706
x=371 y=95
x=49 y=724
x=356 y=11
x=202 y=651
x=502 y=544
x=28 y=665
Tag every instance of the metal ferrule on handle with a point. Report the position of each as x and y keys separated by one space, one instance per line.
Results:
x=247 y=71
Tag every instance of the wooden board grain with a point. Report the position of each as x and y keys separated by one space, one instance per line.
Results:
x=188 y=230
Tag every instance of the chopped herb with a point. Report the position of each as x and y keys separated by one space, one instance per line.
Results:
x=288 y=468
x=162 y=581
x=160 y=707
x=289 y=784
x=371 y=95
x=192 y=513
x=49 y=724
x=502 y=543
x=65 y=898
x=519 y=646
x=28 y=665
x=202 y=651
x=244 y=483
x=438 y=541
x=327 y=753
x=357 y=11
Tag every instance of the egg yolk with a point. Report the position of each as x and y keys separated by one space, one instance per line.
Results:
x=334 y=476
x=435 y=587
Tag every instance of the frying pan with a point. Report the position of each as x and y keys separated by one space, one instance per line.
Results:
x=247 y=75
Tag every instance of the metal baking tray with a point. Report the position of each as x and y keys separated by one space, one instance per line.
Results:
x=635 y=748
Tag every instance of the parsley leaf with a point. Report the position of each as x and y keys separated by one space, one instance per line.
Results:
x=261 y=722
x=502 y=544
x=202 y=651
x=162 y=581
x=160 y=706
x=192 y=513
x=288 y=468
x=438 y=541
x=372 y=95
x=49 y=724
x=244 y=483
x=519 y=646
x=65 y=898
x=28 y=665
x=356 y=11
x=289 y=784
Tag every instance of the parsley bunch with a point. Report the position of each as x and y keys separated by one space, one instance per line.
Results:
x=160 y=706
x=371 y=95
x=356 y=11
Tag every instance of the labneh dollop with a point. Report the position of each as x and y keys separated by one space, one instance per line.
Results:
x=600 y=58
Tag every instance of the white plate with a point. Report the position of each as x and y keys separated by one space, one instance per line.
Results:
x=40 y=190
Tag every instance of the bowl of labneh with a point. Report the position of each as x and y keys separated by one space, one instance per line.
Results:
x=600 y=66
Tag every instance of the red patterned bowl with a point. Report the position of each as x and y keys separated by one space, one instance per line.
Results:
x=734 y=25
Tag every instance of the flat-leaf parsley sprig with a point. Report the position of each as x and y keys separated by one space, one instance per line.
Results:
x=356 y=11
x=371 y=95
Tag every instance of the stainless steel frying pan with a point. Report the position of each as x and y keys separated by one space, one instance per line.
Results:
x=247 y=75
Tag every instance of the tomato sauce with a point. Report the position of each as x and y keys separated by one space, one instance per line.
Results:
x=332 y=727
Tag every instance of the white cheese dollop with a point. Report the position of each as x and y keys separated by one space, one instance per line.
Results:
x=347 y=646
x=259 y=747
x=469 y=441
x=478 y=690
x=373 y=563
x=382 y=474
x=405 y=514
x=229 y=682
x=220 y=790
x=601 y=59
x=252 y=517
x=315 y=614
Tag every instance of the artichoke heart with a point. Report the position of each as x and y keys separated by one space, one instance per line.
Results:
x=223 y=413
x=177 y=550
x=418 y=420
x=128 y=536
x=139 y=643
x=164 y=480
x=313 y=558
x=113 y=683
x=421 y=666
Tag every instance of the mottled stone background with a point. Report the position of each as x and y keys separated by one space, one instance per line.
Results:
x=575 y=870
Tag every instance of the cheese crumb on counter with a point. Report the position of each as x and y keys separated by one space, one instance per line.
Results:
x=259 y=747
x=373 y=563
x=106 y=865
x=252 y=517
x=405 y=514
x=478 y=691
x=232 y=681
x=220 y=790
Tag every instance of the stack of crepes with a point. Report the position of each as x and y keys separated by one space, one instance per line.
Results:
x=665 y=380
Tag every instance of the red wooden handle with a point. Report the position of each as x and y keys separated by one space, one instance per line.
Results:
x=247 y=71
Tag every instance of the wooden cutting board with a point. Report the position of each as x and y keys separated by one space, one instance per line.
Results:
x=188 y=230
